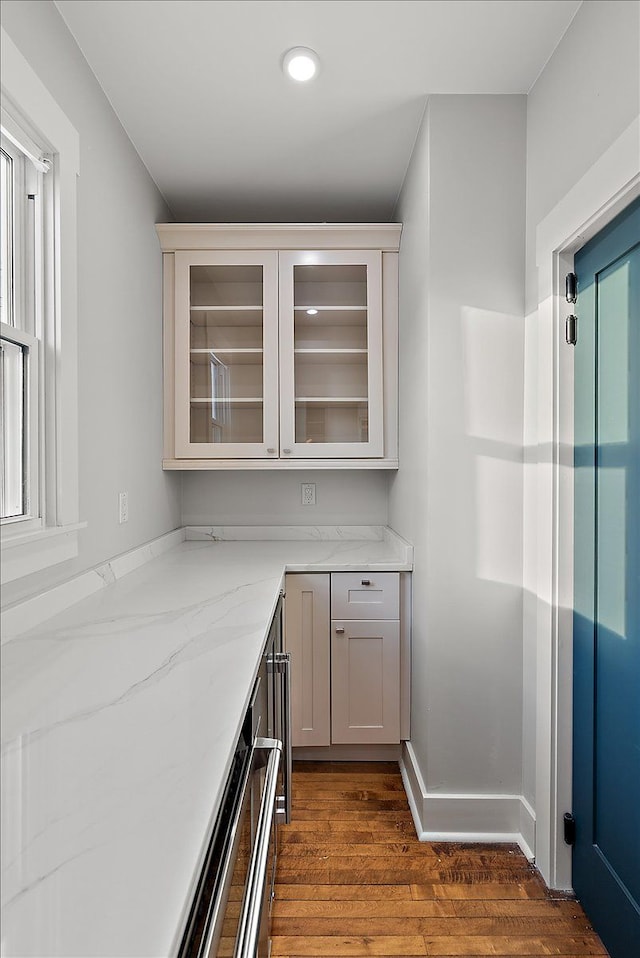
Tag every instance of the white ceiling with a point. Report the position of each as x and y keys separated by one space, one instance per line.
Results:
x=198 y=86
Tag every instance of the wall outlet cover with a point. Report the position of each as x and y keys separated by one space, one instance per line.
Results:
x=308 y=493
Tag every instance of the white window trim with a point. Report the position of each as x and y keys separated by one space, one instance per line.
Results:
x=28 y=102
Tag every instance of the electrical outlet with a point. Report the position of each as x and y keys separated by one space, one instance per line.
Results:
x=308 y=490
x=123 y=506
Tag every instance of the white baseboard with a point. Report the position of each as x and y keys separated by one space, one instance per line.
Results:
x=466 y=818
x=527 y=829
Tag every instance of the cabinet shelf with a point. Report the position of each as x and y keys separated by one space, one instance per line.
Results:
x=236 y=357
x=333 y=400
x=215 y=317
x=333 y=315
x=251 y=402
x=332 y=356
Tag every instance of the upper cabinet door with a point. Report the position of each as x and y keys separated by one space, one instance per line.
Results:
x=226 y=354
x=331 y=386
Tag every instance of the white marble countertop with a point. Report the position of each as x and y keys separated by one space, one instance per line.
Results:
x=119 y=719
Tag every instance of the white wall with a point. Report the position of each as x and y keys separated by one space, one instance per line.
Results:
x=585 y=97
x=120 y=309
x=267 y=498
x=458 y=493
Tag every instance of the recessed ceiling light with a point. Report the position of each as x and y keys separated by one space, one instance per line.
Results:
x=312 y=312
x=301 y=64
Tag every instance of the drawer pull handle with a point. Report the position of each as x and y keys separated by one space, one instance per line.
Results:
x=340 y=631
x=366 y=581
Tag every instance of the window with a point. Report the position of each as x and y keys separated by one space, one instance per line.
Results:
x=22 y=243
x=38 y=333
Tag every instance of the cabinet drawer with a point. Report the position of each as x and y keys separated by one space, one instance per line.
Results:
x=365 y=595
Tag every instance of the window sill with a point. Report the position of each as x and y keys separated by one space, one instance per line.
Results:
x=23 y=554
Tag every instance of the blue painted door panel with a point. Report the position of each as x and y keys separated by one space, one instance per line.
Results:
x=606 y=717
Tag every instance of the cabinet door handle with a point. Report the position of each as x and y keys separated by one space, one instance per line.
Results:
x=271 y=451
x=286 y=452
x=366 y=582
x=340 y=631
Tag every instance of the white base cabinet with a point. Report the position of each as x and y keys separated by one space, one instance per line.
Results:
x=347 y=677
x=365 y=682
x=307 y=638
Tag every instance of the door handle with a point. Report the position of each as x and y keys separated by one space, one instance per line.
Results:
x=340 y=631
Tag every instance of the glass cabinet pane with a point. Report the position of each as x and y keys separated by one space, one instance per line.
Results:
x=226 y=354
x=331 y=353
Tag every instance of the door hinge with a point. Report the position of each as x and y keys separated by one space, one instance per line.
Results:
x=571 y=330
x=569 y=829
x=571 y=287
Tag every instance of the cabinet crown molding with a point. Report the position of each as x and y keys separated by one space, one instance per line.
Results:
x=279 y=236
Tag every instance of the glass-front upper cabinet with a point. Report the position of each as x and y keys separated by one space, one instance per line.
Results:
x=226 y=354
x=331 y=385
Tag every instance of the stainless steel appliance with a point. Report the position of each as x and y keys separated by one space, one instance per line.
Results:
x=230 y=915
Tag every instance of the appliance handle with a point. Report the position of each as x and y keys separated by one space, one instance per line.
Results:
x=216 y=905
x=249 y=927
x=283 y=665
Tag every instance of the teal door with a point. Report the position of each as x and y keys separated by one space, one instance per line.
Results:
x=606 y=676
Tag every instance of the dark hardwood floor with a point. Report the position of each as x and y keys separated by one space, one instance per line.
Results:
x=353 y=880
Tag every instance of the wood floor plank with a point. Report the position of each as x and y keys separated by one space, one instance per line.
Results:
x=355 y=814
x=374 y=822
x=488 y=890
x=341 y=946
x=363 y=908
x=360 y=833
x=540 y=909
x=403 y=849
x=321 y=847
x=483 y=946
x=458 y=927
x=371 y=792
x=329 y=892
x=393 y=855
x=526 y=907
x=330 y=807
x=357 y=871
x=326 y=779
